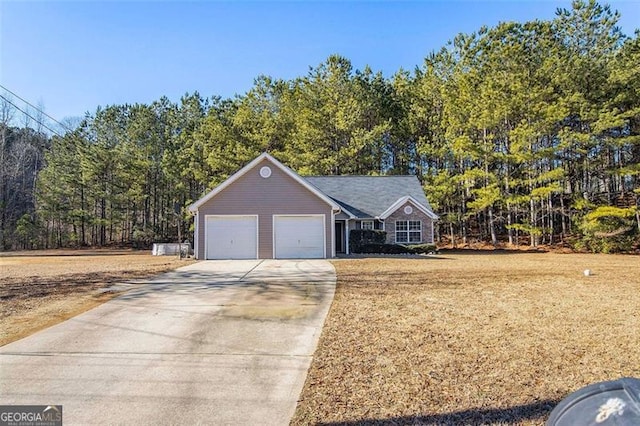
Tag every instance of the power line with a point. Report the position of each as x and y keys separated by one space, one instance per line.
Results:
x=32 y=117
x=34 y=107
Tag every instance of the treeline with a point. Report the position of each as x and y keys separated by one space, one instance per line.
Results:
x=524 y=133
x=22 y=151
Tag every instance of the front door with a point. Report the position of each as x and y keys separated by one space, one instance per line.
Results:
x=340 y=237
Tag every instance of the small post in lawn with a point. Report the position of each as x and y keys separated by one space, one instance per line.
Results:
x=177 y=210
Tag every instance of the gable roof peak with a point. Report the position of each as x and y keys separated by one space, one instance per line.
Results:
x=371 y=196
x=264 y=156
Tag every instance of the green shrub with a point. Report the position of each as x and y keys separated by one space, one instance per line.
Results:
x=143 y=238
x=375 y=248
x=422 y=248
x=608 y=229
x=361 y=237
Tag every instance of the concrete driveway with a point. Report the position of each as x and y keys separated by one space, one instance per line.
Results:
x=216 y=342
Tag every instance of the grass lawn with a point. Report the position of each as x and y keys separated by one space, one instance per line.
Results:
x=471 y=338
x=41 y=288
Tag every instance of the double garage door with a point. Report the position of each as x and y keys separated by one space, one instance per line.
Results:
x=236 y=237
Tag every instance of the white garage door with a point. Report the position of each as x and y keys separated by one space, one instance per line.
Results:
x=299 y=237
x=231 y=237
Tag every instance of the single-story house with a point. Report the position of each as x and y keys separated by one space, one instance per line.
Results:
x=268 y=211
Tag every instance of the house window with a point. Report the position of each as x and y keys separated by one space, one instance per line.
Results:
x=408 y=231
x=366 y=224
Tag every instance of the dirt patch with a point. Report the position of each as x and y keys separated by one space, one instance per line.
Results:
x=40 y=289
x=274 y=301
x=464 y=338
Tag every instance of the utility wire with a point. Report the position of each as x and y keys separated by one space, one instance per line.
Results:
x=36 y=108
x=30 y=116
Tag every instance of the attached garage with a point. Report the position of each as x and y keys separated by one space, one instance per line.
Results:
x=231 y=237
x=299 y=236
x=264 y=211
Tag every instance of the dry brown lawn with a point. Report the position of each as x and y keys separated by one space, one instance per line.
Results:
x=41 y=288
x=471 y=338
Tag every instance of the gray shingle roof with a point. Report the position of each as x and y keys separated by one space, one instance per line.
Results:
x=369 y=196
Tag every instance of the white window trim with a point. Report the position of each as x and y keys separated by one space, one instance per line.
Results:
x=373 y=225
x=407 y=232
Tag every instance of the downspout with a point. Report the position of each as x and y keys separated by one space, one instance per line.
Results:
x=384 y=226
x=333 y=233
x=196 y=239
x=333 y=230
x=346 y=236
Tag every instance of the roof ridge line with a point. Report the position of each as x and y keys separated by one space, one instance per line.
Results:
x=352 y=176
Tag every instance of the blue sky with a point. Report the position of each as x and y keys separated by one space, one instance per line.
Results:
x=72 y=56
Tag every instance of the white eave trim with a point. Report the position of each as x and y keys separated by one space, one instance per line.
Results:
x=395 y=206
x=351 y=215
x=215 y=191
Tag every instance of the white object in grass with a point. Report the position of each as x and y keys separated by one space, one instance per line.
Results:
x=587 y=272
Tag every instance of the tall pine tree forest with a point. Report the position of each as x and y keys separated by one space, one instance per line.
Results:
x=521 y=134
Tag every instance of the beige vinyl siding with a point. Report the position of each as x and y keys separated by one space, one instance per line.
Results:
x=252 y=194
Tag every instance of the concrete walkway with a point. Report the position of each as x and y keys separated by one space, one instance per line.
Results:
x=216 y=342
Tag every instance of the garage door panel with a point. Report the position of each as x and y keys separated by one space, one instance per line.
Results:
x=232 y=237
x=299 y=237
